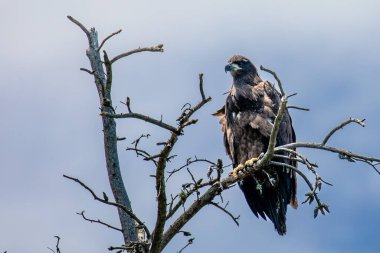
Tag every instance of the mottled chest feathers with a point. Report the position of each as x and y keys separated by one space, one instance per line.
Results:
x=250 y=105
x=253 y=106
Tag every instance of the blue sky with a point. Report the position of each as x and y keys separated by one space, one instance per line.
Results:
x=327 y=51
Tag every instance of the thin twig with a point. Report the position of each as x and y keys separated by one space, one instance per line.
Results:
x=328 y=148
x=189 y=162
x=142 y=117
x=139 y=152
x=298 y=108
x=235 y=219
x=370 y=164
x=128 y=103
x=275 y=76
x=189 y=242
x=184 y=195
x=107 y=38
x=57 y=250
x=122 y=207
x=99 y=221
x=84 y=29
x=158 y=48
x=201 y=86
x=120 y=248
x=152 y=157
x=87 y=70
x=350 y=120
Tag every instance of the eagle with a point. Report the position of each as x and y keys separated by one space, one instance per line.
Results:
x=247 y=120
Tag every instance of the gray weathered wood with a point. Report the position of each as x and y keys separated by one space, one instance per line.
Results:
x=128 y=225
x=110 y=142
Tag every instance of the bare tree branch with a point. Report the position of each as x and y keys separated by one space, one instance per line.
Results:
x=345 y=153
x=99 y=221
x=297 y=107
x=120 y=206
x=109 y=132
x=107 y=38
x=189 y=161
x=158 y=48
x=86 y=70
x=57 y=249
x=128 y=103
x=194 y=208
x=184 y=121
x=343 y=124
x=275 y=76
x=84 y=29
x=161 y=194
x=189 y=242
x=142 y=117
x=224 y=209
x=201 y=86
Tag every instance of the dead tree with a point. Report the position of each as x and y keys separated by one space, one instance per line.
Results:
x=172 y=213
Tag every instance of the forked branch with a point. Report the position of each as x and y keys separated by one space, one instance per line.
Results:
x=107 y=38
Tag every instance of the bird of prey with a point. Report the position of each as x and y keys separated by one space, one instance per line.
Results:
x=247 y=119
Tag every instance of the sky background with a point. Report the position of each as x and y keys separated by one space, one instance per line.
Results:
x=327 y=51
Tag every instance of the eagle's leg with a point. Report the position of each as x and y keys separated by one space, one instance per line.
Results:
x=248 y=163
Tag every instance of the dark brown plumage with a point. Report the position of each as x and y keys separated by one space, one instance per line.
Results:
x=247 y=119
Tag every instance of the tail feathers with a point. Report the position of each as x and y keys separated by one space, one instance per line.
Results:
x=266 y=200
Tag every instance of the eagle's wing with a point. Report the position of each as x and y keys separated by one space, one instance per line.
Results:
x=287 y=135
x=221 y=113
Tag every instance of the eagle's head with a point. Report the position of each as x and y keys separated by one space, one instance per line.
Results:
x=240 y=66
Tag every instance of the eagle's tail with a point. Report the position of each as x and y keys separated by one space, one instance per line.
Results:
x=268 y=194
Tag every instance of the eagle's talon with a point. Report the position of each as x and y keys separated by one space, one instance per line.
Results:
x=236 y=170
x=250 y=162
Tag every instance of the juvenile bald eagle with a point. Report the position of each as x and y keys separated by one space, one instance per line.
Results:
x=247 y=119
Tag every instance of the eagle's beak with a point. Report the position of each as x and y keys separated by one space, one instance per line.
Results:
x=232 y=67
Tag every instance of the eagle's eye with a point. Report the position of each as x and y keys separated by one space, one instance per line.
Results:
x=241 y=63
